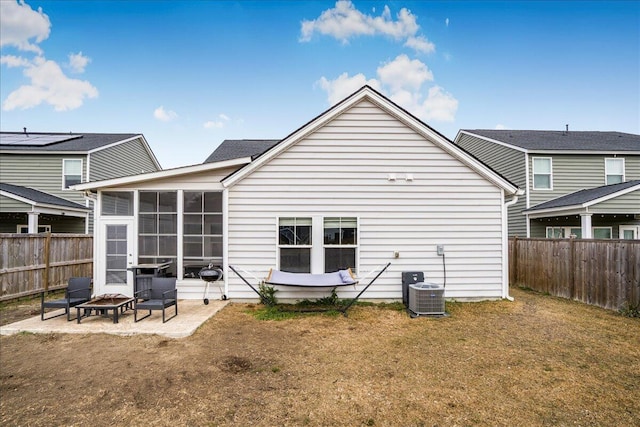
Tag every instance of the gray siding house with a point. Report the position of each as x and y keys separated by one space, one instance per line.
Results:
x=37 y=169
x=582 y=184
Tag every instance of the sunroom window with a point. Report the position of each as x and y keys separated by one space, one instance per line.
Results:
x=294 y=244
x=202 y=231
x=340 y=243
x=158 y=228
x=117 y=203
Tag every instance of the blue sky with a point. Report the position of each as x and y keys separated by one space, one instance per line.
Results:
x=190 y=74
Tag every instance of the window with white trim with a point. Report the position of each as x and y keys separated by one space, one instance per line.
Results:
x=202 y=231
x=23 y=228
x=613 y=171
x=71 y=172
x=629 y=232
x=542 y=173
x=117 y=203
x=294 y=244
x=158 y=228
x=564 y=232
x=602 y=232
x=576 y=232
x=340 y=243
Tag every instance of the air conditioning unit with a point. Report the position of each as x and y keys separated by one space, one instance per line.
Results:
x=426 y=299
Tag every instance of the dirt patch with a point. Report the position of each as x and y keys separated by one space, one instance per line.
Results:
x=536 y=361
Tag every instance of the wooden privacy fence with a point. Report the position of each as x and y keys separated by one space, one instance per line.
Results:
x=30 y=263
x=605 y=273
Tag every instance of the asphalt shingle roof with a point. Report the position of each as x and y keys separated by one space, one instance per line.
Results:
x=78 y=142
x=238 y=148
x=564 y=141
x=584 y=196
x=39 y=196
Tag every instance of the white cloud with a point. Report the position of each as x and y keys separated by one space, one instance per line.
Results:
x=23 y=28
x=439 y=105
x=446 y=22
x=12 y=61
x=78 y=62
x=217 y=124
x=403 y=72
x=49 y=85
x=164 y=115
x=344 y=86
x=344 y=21
x=420 y=44
x=210 y=124
x=19 y=24
x=500 y=126
x=402 y=80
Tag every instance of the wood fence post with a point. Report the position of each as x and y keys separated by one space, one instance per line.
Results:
x=514 y=254
x=47 y=246
x=572 y=268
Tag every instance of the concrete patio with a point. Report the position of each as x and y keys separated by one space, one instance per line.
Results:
x=191 y=314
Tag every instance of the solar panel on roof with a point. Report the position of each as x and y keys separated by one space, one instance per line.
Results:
x=34 y=139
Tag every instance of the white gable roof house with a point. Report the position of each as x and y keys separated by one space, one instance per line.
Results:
x=363 y=184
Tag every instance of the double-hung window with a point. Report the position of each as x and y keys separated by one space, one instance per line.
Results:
x=71 y=172
x=614 y=171
x=340 y=243
x=294 y=244
x=202 y=230
x=158 y=228
x=542 y=173
x=317 y=244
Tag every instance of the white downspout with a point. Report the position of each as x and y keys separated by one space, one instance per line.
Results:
x=505 y=244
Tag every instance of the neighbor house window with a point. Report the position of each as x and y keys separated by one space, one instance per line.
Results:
x=340 y=243
x=629 y=232
x=294 y=243
x=614 y=171
x=562 y=232
x=542 y=177
x=601 y=232
x=71 y=172
x=23 y=228
x=202 y=231
x=117 y=203
x=576 y=232
x=158 y=228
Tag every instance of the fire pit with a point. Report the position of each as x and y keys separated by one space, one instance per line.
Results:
x=118 y=303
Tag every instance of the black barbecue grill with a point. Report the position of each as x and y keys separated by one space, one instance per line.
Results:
x=211 y=274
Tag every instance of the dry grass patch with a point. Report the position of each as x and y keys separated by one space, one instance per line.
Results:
x=533 y=362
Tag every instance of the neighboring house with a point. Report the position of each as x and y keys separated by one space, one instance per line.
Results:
x=50 y=163
x=582 y=184
x=63 y=215
x=363 y=184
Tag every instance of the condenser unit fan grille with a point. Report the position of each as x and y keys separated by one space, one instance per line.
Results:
x=426 y=298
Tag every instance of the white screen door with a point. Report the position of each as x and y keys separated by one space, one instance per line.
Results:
x=116 y=257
